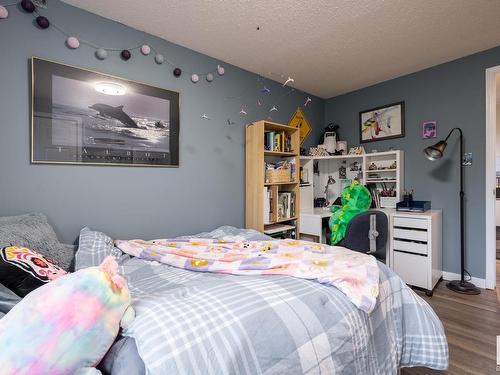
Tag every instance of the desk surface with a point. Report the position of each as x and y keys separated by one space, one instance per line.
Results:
x=325 y=212
x=318 y=211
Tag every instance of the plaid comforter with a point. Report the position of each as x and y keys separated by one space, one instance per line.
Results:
x=198 y=323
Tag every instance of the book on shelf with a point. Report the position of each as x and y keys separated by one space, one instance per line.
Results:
x=287 y=142
x=268 y=204
x=268 y=141
x=286 y=205
x=375 y=195
x=292 y=170
x=277 y=141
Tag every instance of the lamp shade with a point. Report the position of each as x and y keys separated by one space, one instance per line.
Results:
x=436 y=151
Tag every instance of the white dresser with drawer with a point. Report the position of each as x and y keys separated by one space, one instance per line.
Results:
x=416 y=248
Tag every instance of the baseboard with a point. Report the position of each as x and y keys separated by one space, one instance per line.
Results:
x=480 y=283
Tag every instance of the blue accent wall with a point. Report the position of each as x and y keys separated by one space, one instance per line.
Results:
x=453 y=94
x=205 y=192
x=208 y=188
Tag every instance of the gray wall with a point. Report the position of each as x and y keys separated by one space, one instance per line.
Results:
x=205 y=192
x=454 y=95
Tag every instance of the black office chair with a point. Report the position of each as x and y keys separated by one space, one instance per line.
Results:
x=367 y=233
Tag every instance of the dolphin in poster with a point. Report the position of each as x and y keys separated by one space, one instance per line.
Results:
x=114 y=112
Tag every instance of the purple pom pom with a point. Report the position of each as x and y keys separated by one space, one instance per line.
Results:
x=125 y=54
x=28 y=6
x=43 y=22
x=177 y=72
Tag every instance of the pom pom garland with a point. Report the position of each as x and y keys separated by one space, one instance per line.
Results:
x=73 y=42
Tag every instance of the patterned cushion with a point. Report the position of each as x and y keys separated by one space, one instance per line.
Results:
x=93 y=248
x=23 y=270
x=34 y=231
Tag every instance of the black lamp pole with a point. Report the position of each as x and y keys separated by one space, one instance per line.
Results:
x=435 y=152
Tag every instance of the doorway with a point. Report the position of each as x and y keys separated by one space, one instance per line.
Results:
x=493 y=177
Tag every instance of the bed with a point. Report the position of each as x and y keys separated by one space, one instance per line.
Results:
x=198 y=323
x=203 y=323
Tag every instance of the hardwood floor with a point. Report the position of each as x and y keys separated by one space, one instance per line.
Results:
x=471 y=324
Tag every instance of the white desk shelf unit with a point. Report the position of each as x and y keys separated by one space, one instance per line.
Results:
x=330 y=165
x=311 y=218
x=416 y=254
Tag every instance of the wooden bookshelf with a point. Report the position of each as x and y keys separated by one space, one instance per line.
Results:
x=256 y=156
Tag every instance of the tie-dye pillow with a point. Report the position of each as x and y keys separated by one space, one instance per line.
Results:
x=67 y=325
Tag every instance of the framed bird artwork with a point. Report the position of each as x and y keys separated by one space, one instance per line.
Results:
x=385 y=122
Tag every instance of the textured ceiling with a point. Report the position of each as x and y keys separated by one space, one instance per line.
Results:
x=328 y=46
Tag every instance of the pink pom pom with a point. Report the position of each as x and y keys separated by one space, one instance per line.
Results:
x=109 y=266
x=4 y=13
x=145 y=49
x=220 y=70
x=195 y=78
x=118 y=281
x=73 y=42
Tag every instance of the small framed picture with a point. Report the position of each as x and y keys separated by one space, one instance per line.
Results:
x=429 y=129
x=342 y=147
x=385 y=122
x=359 y=150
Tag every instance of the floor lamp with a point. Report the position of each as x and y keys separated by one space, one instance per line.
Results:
x=435 y=152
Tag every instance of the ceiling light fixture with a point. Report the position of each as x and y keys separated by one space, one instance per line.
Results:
x=110 y=88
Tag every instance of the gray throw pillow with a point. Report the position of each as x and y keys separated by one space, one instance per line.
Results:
x=34 y=231
x=93 y=248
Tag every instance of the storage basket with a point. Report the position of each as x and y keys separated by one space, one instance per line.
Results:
x=388 y=202
x=274 y=176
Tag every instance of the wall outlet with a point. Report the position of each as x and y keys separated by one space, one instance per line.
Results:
x=467 y=160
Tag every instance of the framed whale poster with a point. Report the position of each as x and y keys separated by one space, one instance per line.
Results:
x=84 y=117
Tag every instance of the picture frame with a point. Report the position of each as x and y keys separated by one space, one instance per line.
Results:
x=381 y=123
x=429 y=129
x=83 y=117
x=342 y=147
x=358 y=150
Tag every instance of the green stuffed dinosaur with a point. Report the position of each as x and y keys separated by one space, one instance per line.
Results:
x=356 y=199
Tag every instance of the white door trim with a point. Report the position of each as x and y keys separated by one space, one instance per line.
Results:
x=491 y=107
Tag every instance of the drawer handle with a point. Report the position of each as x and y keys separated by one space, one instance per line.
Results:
x=410 y=228
x=410 y=241
x=409 y=252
